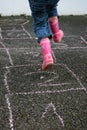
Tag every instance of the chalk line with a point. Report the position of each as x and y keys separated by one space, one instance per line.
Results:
x=12 y=38
x=1 y=34
x=40 y=72
x=83 y=40
x=27 y=32
x=66 y=67
x=60 y=48
x=7 y=98
x=9 y=56
x=49 y=106
x=74 y=75
x=47 y=81
x=47 y=91
x=17 y=66
x=71 y=36
x=5 y=79
x=60 y=84
x=13 y=30
x=54 y=57
x=25 y=22
x=10 y=112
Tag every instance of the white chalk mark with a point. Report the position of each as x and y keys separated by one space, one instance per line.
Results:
x=83 y=40
x=54 y=57
x=10 y=112
x=38 y=47
x=11 y=22
x=48 y=91
x=12 y=38
x=1 y=34
x=40 y=72
x=13 y=30
x=49 y=106
x=9 y=56
x=75 y=36
x=65 y=66
x=76 y=47
x=68 y=48
x=17 y=66
x=60 y=45
x=60 y=84
x=0 y=30
x=25 y=22
x=74 y=75
x=30 y=73
x=47 y=81
x=21 y=48
x=5 y=80
x=7 y=98
x=27 y=32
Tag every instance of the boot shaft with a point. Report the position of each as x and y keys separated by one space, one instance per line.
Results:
x=47 y=54
x=45 y=46
x=54 y=24
x=57 y=33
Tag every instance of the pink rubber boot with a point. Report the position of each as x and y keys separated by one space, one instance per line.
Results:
x=54 y=25
x=47 y=54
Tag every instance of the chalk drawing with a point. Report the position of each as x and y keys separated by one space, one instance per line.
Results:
x=49 y=106
x=12 y=22
x=59 y=48
x=27 y=35
x=14 y=38
x=7 y=98
x=10 y=112
x=7 y=51
x=25 y=22
x=1 y=34
x=83 y=40
x=54 y=57
x=74 y=75
x=5 y=79
x=27 y=32
x=48 y=91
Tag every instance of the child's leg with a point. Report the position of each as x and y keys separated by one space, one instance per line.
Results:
x=42 y=31
x=54 y=24
x=40 y=19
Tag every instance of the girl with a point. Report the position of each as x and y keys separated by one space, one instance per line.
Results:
x=46 y=26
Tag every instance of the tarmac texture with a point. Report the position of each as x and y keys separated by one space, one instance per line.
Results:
x=32 y=99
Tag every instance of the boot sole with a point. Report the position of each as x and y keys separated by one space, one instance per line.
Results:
x=48 y=66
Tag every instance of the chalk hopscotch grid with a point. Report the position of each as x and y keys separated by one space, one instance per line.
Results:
x=18 y=31
x=82 y=88
x=37 y=92
x=28 y=34
x=7 y=71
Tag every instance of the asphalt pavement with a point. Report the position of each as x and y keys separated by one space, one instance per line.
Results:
x=32 y=99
